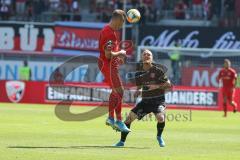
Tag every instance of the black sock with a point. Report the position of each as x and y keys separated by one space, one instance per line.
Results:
x=160 y=127
x=124 y=134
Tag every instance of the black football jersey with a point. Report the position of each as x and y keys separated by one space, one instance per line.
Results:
x=155 y=75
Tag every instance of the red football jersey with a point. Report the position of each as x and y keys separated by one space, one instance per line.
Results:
x=228 y=77
x=108 y=39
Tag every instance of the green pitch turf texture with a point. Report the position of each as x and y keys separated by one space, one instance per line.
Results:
x=33 y=132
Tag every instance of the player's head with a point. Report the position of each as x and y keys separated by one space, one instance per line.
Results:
x=147 y=56
x=118 y=18
x=227 y=63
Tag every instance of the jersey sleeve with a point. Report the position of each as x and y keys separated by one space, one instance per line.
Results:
x=162 y=77
x=108 y=41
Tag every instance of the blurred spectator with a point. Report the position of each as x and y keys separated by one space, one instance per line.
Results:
x=166 y=5
x=229 y=15
x=148 y=2
x=75 y=6
x=4 y=11
x=54 y=4
x=158 y=4
x=197 y=6
x=25 y=71
x=187 y=2
x=92 y=6
x=29 y=10
x=216 y=8
x=134 y=3
x=237 y=10
x=20 y=7
x=175 y=62
x=69 y=3
x=38 y=7
x=7 y=2
x=207 y=9
x=152 y=14
x=119 y=4
x=105 y=17
x=180 y=10
x=63 y=10
x=75 y=9
x=151 y=10
x=58 y=77
x=143 y=11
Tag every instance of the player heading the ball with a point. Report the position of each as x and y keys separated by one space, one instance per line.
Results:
x=111 y=57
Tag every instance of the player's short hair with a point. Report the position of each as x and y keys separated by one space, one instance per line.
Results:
x=118 y=13
x=228 y=61
x=145 y=49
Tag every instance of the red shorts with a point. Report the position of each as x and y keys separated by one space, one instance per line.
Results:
x=110 y=73
x=228 y=93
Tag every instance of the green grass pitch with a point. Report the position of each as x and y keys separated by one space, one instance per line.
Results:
x=33 y=132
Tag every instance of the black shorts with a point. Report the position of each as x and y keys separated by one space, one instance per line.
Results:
x=145 y=107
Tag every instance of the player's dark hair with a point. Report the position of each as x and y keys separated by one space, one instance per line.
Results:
x=25 y=63
x=118 y=13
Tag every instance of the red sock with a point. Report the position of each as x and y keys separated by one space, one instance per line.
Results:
x=118 y=109
x=112 y=103
x=115 y=103
x=225 y=109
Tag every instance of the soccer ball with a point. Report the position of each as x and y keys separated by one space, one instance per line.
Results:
x=133 y=16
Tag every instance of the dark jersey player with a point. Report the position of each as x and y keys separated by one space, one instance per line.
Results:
x=152 y=84
x=111 y=57
x=228 y=77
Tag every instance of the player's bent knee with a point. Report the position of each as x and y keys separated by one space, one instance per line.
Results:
x=160 y=118
x=130 y=118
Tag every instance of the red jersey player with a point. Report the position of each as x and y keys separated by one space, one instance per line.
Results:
x=111 y=57
x=228 y=77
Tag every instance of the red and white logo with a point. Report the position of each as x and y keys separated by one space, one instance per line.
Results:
x=15 y=90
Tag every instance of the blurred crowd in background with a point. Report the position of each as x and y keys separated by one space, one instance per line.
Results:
x=226 y=12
